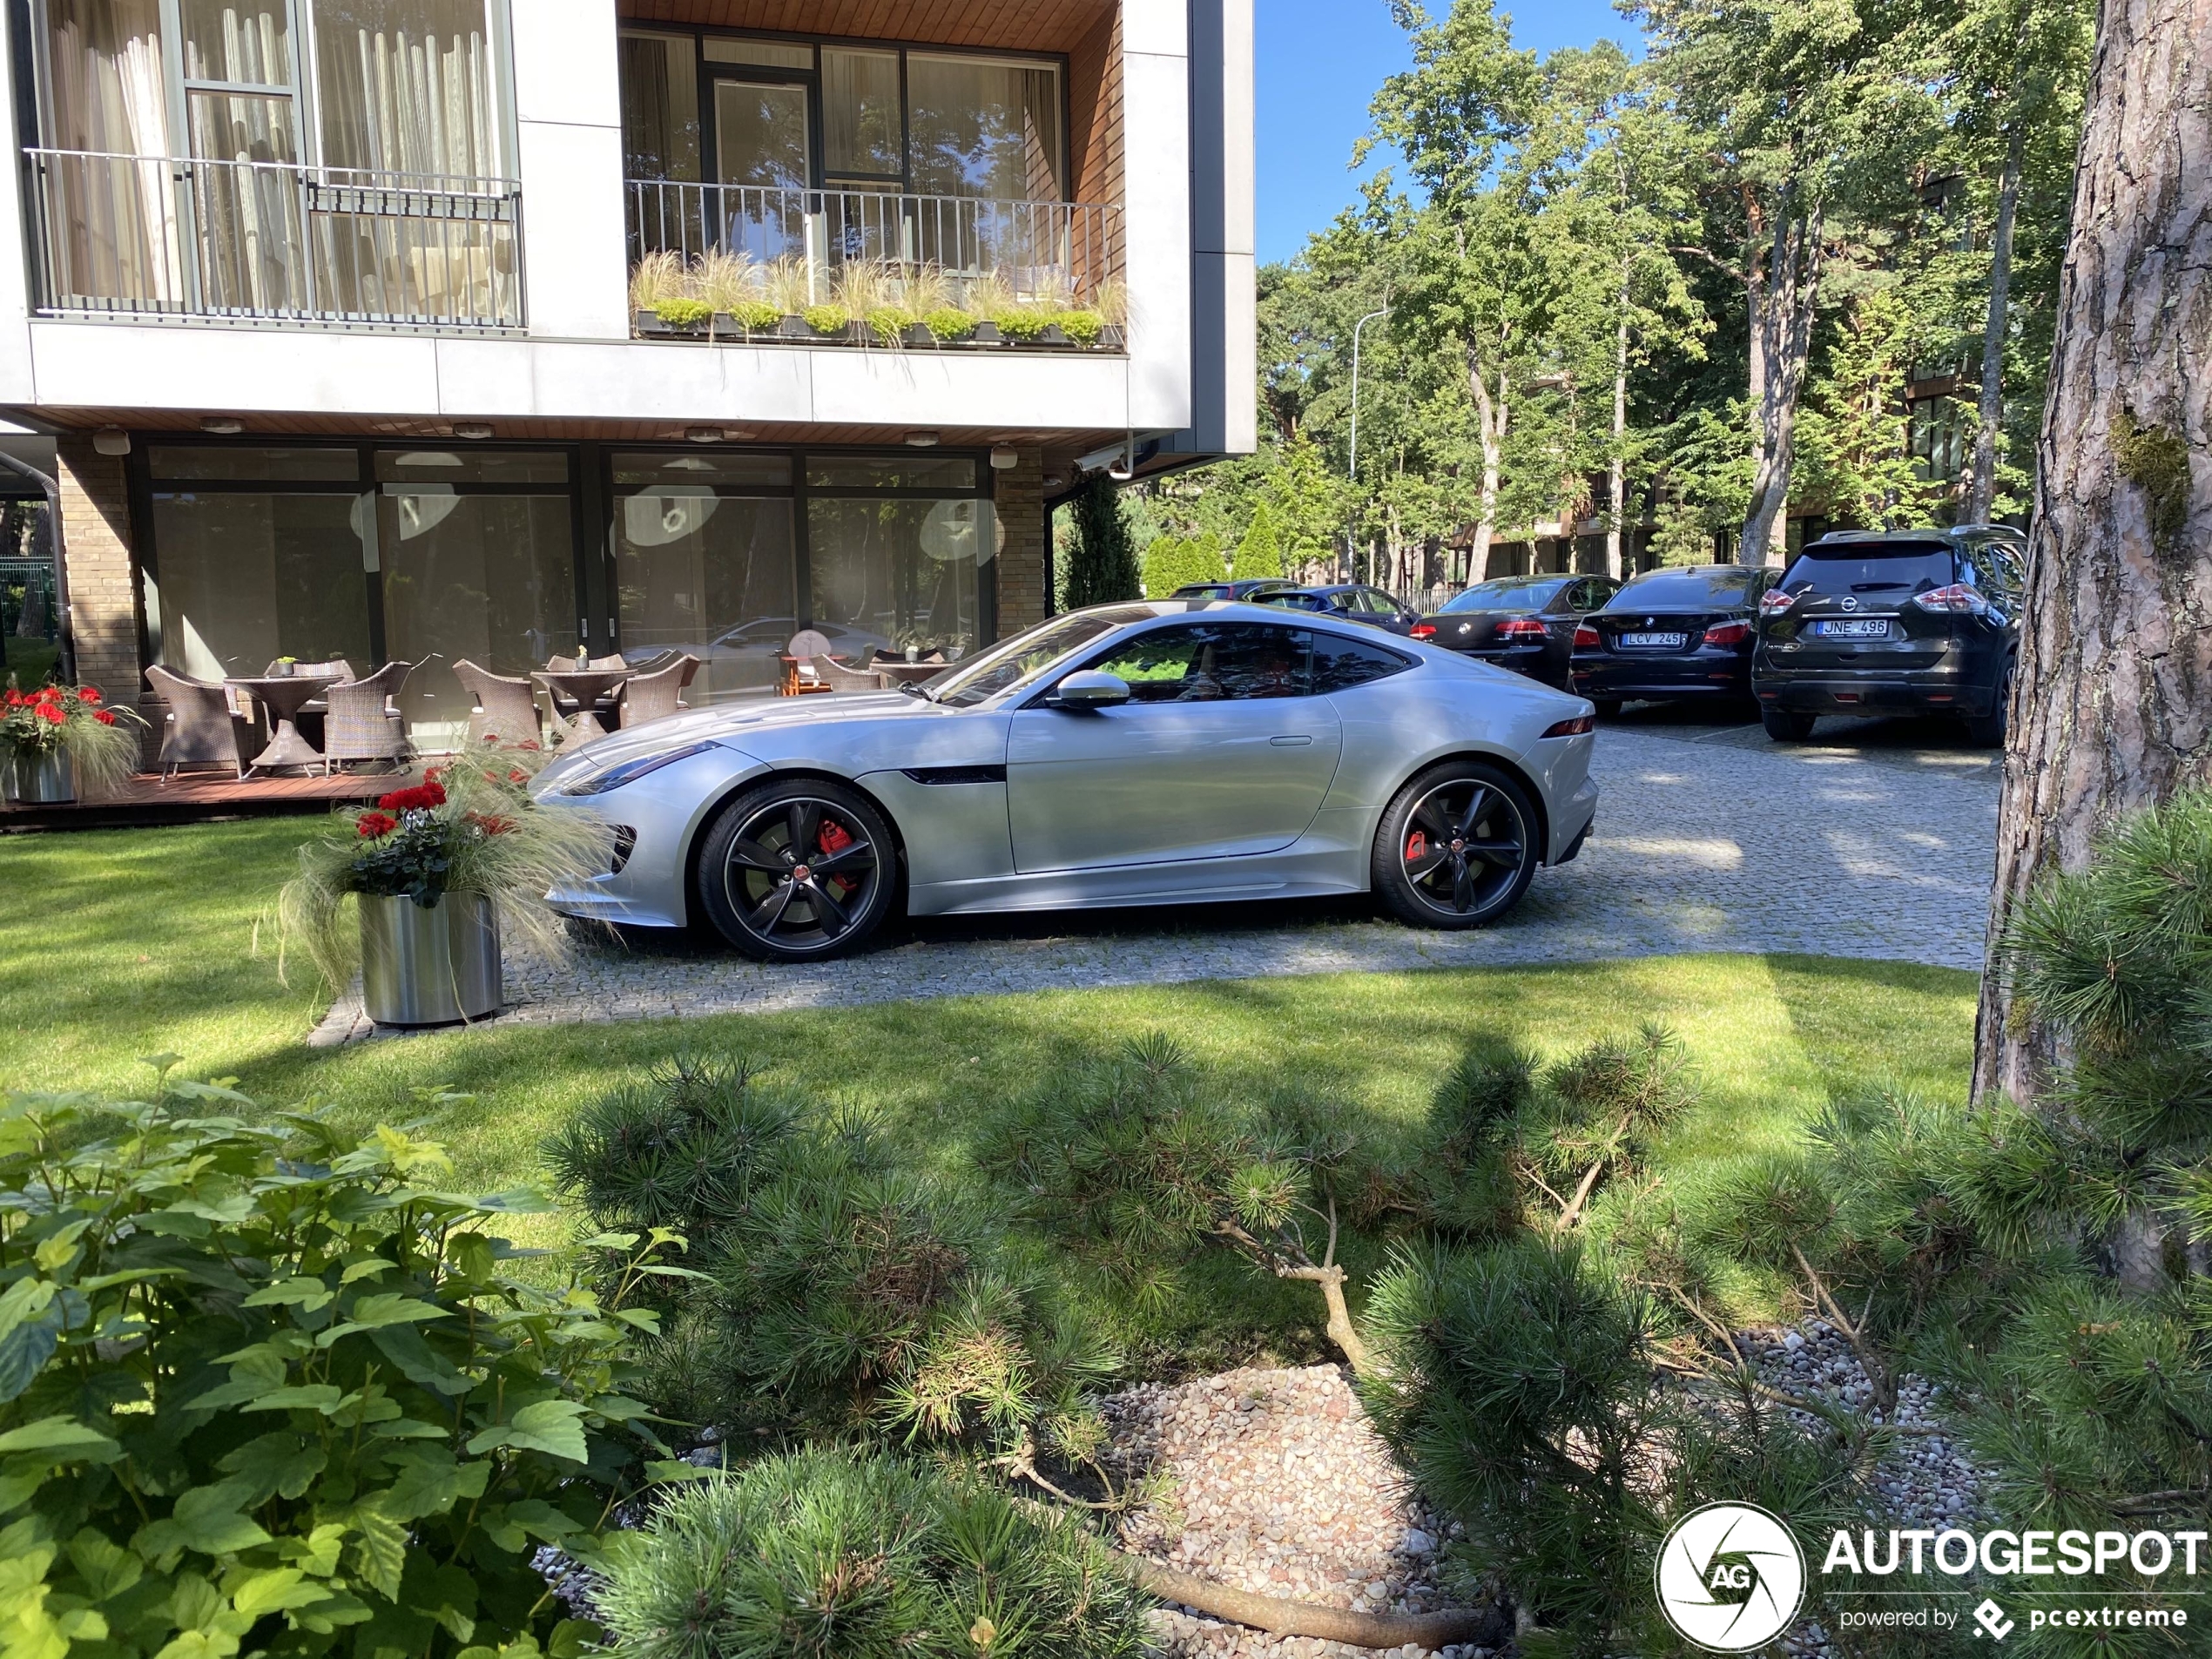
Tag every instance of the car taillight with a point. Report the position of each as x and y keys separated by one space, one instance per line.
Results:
x=1958 y=599
x=1574 y=728
x=1774 y=602
x=1728 y=633
x=1424 y=630
x=1521 y=628
x=1586 y=638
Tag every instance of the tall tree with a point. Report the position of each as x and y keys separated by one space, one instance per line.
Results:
x=2113 y=696
x=1102 y=557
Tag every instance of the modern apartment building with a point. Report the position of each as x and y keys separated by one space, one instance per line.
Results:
x=340 y=315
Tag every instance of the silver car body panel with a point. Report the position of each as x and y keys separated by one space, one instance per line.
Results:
x=1010 y=805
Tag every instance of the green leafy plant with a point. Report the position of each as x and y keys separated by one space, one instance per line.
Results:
x=469 y=826
x=754 y=316
x=1024 y=322
x=1081 y=325
x=659 y=275
x=102 y=743
x=888 y=324
x=683 y=312
x=828 y=320
x=846 y=1555
x=949 y=322
x=263 y=1390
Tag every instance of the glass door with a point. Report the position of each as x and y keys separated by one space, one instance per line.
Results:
x=764 y=157
x=241 y=130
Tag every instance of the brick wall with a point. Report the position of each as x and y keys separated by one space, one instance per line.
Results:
x=96 y=538
x=1022 y=601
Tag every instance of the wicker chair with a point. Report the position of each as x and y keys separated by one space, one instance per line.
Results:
x=655 y=695
x=203 y=728
x=364 y=722
x=838 y=677
x=563 y=665
x=506 y=709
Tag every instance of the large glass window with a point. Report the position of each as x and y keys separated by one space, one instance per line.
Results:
x=984 y=126
x=895 y=572
x=242 y=579
x=702 y=567
x=660 y=106
x=863 y=122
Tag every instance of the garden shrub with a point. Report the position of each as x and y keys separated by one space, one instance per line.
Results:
x=1084 y=327
x=949 y=322
x=888 y=324
x=264 y=1390
x=846 y=1555
x=755 y=316
x=827 y=320
x=1172 y=562
x=1260 y=554
x=1024 y=322
x=680 y=313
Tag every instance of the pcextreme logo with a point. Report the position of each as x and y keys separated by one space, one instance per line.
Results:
x=1730 y=1578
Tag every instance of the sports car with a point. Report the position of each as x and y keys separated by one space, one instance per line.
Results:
x=1170 y=752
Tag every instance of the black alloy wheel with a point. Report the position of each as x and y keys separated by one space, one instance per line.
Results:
x=1457 y=847
x=797 y=870
x=1785 y=727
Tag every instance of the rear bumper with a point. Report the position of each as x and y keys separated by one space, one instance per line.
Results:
x=1531 y=660
x=1691 y=674
x=1926 y=692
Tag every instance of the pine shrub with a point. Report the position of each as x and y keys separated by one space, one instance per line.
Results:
x=1102 y=563
x=846 y=1555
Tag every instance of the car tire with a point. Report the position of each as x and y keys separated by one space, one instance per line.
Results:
x=1608 y=708
x=778 y=906
x=1431 y=883
x=1989 y=731
x=1785 y=727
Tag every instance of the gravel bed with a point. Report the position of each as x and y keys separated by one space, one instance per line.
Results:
x=1272 y=1481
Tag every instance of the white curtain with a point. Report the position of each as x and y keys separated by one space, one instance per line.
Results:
x=110 y=216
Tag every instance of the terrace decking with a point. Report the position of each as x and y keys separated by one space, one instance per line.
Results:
x=204 y=797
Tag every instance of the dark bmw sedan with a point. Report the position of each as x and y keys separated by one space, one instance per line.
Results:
x=1684 y=631
x=1526 y=623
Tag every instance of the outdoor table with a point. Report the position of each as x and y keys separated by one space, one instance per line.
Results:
x=586 y=687
x=284 y=696
x=895 y=674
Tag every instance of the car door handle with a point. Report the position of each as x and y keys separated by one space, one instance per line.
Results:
x=1299 y=742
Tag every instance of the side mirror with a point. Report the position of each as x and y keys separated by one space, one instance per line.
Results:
x=1090 y=690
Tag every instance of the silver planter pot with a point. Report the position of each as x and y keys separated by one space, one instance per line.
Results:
x=431 y=966
x=41 y=779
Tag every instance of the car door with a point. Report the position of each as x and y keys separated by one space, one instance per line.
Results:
x=1385 y=612
x=1221 y=752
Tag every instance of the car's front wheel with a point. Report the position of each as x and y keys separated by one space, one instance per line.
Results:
x=1457 y=847
x=797 y=870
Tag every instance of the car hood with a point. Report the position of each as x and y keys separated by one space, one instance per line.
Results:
x=741 y=725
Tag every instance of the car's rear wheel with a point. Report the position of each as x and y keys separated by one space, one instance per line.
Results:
x=796 y=871
x=1785 y=727
x=1457 y=846
x=1987 y=731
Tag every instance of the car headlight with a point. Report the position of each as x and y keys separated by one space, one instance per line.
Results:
x=631 y=771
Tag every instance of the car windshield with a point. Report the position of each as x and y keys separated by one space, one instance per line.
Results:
x=1505 y=596
x=1695 y=589
x=1017 y=661
x=1905 y=568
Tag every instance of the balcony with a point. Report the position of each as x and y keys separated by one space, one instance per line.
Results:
x=730 y=262
x=154 y=236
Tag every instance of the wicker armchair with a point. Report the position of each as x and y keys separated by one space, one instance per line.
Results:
x=658 y=695
x=203 y=728
x=838 y=677
x=364 y=723
x=506 y=709
x=563 y=665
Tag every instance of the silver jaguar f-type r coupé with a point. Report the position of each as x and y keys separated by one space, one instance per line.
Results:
x=1163 y=753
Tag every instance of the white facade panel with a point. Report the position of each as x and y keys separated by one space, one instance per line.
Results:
x=106 y=365
x=928 y=389
x=1156 y=115
x=565 y=62
x=1156 y=28
x=576 y=268
x=14 y=295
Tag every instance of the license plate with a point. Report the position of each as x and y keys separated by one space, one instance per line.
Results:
x=1855 y=630
x=1656 y=641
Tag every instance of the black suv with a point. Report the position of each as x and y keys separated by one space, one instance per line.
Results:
x=1866 y=622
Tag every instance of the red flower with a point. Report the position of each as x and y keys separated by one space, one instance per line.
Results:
x=105 y=716
x=369 y=825
x=515 y=775
x=491 y=823
x=88 y=694
x=419 y=798
x=48 y=713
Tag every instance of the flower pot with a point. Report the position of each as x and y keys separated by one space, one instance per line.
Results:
x=986 y=334
x=1051 y=336
x=649 y=323
x=1113 y=337
x=40 y=778
x=918 y=333
x=432 y=966
x=795 y=328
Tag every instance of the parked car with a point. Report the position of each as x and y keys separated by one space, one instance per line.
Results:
x=1681 y=632
x=1923 y=621
x=1250 y=591
x=1524 y=623
x=1352 y=602
x=1129 y=754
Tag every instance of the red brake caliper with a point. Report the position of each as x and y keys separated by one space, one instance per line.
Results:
x=833 y=840
x=1416 y=844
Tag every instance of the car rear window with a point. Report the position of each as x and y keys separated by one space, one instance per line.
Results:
x=1905 y=570
x=1505 y=596
x=1725 y=586
x=1204 y=590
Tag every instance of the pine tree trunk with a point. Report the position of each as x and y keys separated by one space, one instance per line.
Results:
x=2112 y=701
x=1981 y=477
x=1617 y=476
x=1490 y=413
x=1783 y=308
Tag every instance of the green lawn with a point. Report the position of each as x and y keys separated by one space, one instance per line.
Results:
x=118 y=944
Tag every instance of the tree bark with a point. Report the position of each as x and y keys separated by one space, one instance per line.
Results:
x=2112 y=700
x=1981 y=476
x=1617 y=476
x=1782 y=301
x=1492 y=414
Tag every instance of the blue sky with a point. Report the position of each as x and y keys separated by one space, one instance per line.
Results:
x=1320 y=61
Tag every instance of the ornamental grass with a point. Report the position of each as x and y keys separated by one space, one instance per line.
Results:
x=470 y=826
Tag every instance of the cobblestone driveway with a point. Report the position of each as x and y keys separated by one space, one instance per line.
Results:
x=1874 y=842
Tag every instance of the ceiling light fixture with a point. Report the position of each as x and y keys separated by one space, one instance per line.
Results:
x=471 y=429
x=704 y=433
x=1005 y=458
x=222 y=426
x=112 y=440
x=921 y=440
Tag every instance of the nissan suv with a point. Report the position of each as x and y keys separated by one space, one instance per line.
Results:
x=1903 y=622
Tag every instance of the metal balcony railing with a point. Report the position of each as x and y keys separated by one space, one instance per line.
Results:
x=1034 y=246
x=169 y=236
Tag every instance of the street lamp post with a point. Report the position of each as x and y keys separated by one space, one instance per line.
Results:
x=1352 y=470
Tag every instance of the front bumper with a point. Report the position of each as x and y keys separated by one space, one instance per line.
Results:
x=655 y=818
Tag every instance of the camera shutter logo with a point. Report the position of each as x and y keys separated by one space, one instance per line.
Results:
x=1730 y=1578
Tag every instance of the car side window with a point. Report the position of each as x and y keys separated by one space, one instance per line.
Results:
x=1341 y=663
x=1210 y=661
